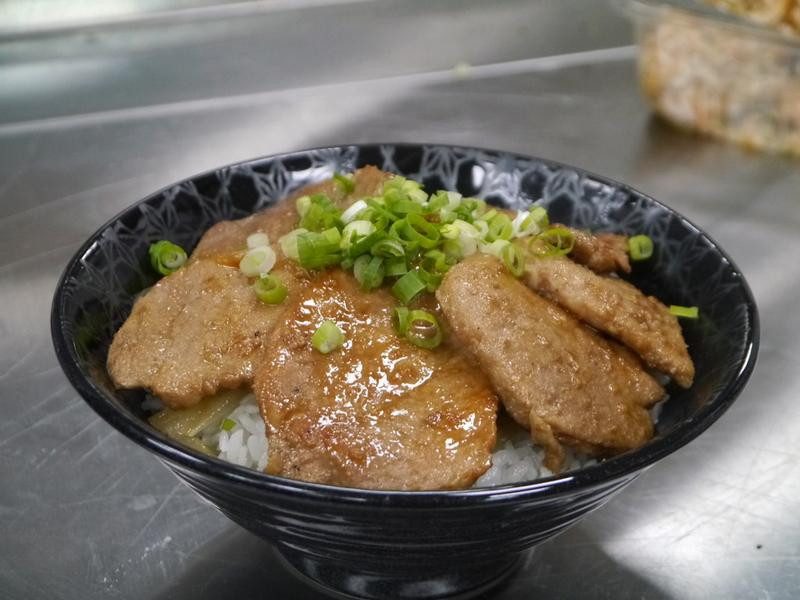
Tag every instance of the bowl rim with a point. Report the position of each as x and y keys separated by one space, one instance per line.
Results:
x=626 y=465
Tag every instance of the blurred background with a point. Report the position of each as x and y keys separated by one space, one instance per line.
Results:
x=103 y=102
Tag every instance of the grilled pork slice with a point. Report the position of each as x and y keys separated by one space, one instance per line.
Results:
x=601 y=252
x=225 y=242
x=195 y=332
x=617 y=308
x=554 y=375
x=378 y=412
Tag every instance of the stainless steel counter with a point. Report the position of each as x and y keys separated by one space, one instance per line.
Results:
x=86 y=514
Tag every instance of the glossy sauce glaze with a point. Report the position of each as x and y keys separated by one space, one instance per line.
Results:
x=377 y=412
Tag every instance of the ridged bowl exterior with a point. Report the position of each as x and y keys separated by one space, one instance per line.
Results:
x=375 y=544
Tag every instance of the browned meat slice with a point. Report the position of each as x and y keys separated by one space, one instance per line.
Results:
x=378 y=412
x=601 y=252
x=225 y=242
x=196 y=331
x=617 y=308
x=554 y=375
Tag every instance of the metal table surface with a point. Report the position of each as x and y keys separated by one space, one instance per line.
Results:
x=84 y=513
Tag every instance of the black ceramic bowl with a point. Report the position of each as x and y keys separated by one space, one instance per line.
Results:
x=408 y=544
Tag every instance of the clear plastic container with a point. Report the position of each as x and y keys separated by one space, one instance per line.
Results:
x=714 y=73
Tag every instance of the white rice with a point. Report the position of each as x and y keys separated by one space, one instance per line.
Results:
x=515 y=458
x=244 y=444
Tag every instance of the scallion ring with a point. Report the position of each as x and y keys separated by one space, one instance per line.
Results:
x=288 y=243
x=685 y=312
x=423 y=329
x=401 y=314
x=352 y=211
x=408 y=287
x=500 y=228
x=257 y=261
x=345 y=181
x=166 y=257
x=270 y=289
x=302 y=204
x=355 y=230
x=327 y=338
x=254 y=240
x=513 y=259
x=319 y=250
x=640 y=247
x=369 y=271
x=539 y=216
x=388 y=248
x=560 y=239
x=395 y=266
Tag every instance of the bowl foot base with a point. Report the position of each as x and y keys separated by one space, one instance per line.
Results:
x=446 y=582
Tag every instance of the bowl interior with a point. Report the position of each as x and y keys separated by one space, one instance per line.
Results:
x=99 y=285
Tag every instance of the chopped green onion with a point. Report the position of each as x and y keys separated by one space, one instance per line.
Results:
x=379 y=215
x=435 y=261
x=166 y=257
x=355 y=230
x=454 y=250
x=228 y=424
x=402 y=315
x=319 y=250
x=423 y=329
x=460 y=228
x=410 y=188
x=559 y=239
x=327 y=337
x=402 y=206
x=432 y=280
x=513 y=259
x=414 y=229
x=369 y=271
x=539 y=216
x=257 y=239
x=270 y=289
x=257 y=261
x=320 y=215
x=408 y=287
x=500 y=228
x=640 y=247
x=288 y=243
x=346 y=181
x=302 y=204
x=353 y=211
x=489 y=215
x=482 y=227
x=524 y=224
x=396 y=266
x=686 y=312
x=388 y=248
x=365 y=244
x=495 y=248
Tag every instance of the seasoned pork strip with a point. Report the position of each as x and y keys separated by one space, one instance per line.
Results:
x=225 y=241
x=378 y=412
x=617 y=308
x=554 y=375
x=195 y=332
x=601 y=252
